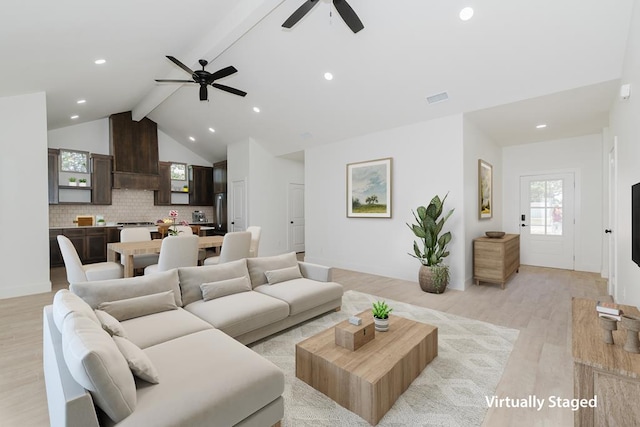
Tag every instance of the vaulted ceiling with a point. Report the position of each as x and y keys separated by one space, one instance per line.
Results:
x=514 y=65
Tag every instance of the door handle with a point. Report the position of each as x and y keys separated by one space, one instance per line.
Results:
x=608 y=231
x=291 y=222
x=523 y=225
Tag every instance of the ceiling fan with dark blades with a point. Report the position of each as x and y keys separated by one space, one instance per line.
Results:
x=343 y=8
x=205 y=78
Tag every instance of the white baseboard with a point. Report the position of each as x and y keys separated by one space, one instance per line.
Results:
x=23 y=290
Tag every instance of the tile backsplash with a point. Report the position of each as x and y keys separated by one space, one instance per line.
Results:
x=127 y=205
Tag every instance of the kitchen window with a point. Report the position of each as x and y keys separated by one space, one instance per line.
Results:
x=74 y=161
x=178 y=171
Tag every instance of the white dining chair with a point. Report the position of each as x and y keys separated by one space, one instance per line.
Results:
x=138 y=234
x=176 y=251
x=255 y=240
x=235 y=246
x=77 y=273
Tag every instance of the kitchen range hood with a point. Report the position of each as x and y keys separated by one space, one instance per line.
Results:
x=134 y=146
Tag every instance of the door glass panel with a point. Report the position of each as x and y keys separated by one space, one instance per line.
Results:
x=545 y=207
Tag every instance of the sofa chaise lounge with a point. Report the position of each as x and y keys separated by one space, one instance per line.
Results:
x=168 y=349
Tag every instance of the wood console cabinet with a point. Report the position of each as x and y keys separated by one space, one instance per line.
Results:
x=495 y=260
x=603 y=370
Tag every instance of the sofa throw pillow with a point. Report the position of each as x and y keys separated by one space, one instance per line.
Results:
x=111 y=290
x=65 y=302
x=257 y=266
x=282 y=275
x=138 y=361
x=192 y=277
x=94 y=361
x=223 y=288
x=140 y=306
x=110 y=324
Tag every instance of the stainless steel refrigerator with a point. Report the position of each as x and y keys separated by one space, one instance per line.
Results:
x=220 y=207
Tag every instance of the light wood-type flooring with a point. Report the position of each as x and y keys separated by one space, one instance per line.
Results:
x=537 y=301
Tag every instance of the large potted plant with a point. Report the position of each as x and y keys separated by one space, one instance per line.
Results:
x=434 y=275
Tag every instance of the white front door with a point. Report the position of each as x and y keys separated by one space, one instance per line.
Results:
x=296 y=217
x=238 y=206
x=547 y=220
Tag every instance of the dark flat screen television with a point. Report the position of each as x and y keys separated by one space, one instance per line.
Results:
x=635 y=223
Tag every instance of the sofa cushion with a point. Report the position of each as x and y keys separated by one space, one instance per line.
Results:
x=258 y=266
x=94 y=361
x=140 y=306
x=240 y=313
x=157 y=328
x=192 y=277
x=207 y=379
x=110 y=324
x=223 y=288
x=111 y=290
x=65 y=302
x=303 y=294
x=138 y=362
x=283 y=274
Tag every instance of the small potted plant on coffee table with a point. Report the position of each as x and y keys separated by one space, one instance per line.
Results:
x=381 y=315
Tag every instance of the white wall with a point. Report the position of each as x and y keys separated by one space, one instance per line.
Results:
x=24 y=246
x=581 y=155
x=478 y=146
x=267 y=179
x=427 y=160
x=625 y=126
x=94 y=138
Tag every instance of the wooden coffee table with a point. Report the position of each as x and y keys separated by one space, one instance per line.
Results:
x=369 y=380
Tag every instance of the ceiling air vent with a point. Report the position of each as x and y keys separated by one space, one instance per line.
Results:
x=437 y=98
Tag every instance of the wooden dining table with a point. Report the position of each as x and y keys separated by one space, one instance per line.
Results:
x=127 y=250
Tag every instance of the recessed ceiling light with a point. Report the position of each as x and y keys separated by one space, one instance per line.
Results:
x=256 y=109
x=542 y=126
x=81 y=101
x=74 y=117
x=328 y=76
x=466 y=13
x=99 y=61
x=192 y=139
x=212 y=130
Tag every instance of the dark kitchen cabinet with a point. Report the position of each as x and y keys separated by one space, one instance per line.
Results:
x=55 y=255
x=90 y=243
x=220 y=177
x=101 y=179
x=52 y=162
x=162 y=196
x=200 y=185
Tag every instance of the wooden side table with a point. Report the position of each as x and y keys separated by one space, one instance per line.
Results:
x=605 y=376
x=496 y=259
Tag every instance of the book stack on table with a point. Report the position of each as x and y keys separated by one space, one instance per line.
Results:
x=609 y=310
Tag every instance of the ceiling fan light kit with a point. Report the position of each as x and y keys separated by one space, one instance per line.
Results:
x=343 y=8
x=204 y=78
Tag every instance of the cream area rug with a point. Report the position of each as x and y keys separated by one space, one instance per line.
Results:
x=450 y=391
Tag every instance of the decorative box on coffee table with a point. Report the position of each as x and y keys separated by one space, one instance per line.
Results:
x=369 y=380
x=353 y=337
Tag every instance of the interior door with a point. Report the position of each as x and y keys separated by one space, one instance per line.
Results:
x=239 y=206
x=547 y=220
x=611 y=230
x=296 y=217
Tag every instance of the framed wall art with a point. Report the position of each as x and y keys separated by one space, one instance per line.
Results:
x=369 y=189
x=485 y=189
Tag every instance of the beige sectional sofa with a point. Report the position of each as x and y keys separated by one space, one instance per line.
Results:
x=168 y=349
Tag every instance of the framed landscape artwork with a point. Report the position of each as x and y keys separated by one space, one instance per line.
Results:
x=369 y=189
x=485 y=189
